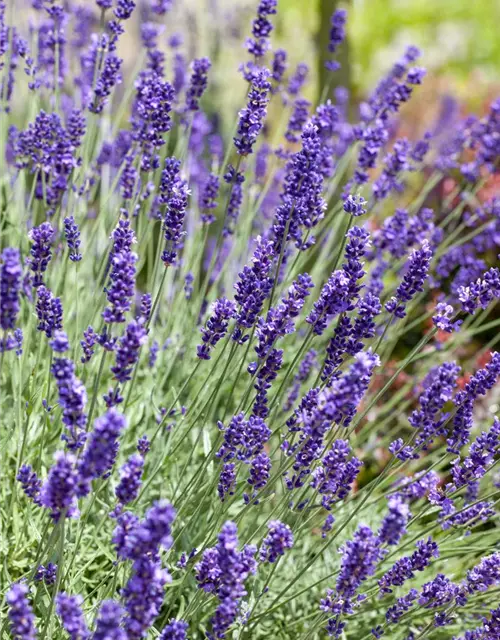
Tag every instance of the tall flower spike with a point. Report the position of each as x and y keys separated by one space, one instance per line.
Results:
x=110 y=76
x=404 y=569
x=72 y=398
x=68 y=608
x=21 y=618
x=332 y=301
x=208 y=198
x=40 y=251
x=337 y=36
x=127 y=489
x=173 y=221
x=482 y=452
x=479 y=384
x=175 y=630
x=235 y=179
x=393 y=526
x=302 y=204
x=224 y=570
x=198 y=83
x=413 y=280
x=261 y=29
x=253 y=287
x=101 y=449
x=252 y=116
x=222 y=312
x=10 y=287
x=279 y=320
x=120 y=290
x=279 y=67
x=58 y=491
x=30 y=483
x=335 y=476
x=277 y=541
x=72 y=235
x=359 y=560
x=438 y=390
x=127 y=352
x=108 y=625
x=151 y=118
x=49 y=311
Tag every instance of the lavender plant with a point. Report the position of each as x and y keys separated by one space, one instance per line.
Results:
x=248 y=375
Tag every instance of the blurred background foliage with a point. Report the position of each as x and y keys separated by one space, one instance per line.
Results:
x=459 y=39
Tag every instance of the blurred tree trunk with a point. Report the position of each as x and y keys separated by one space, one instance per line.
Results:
x=327 y=79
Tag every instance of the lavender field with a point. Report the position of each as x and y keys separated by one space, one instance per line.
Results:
x=248 y=332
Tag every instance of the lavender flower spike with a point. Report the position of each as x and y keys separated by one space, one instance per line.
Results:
x=127 y=353
x=10 y=287
x=72 y=398
x=198 y=83
x=274 y=545
x=58 y=491
x=261 y=29
x=414 y=278
x=101 y=449
x=222 y=312
x=175 y=630
x=72 y=235
x=40 y=252
x=68 y=608
x=22 y=620
x=108 y=625
x=252 y=116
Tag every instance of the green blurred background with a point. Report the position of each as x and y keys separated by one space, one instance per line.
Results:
x=459 y=38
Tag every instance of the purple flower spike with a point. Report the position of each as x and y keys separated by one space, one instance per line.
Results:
x=198 y=83
x=127 y=489
x=72 y=398
x=100 y=451
x=90 y=340
x=110 y=76
x=222 y=312
x=59 y=342
x=121 y=288
x=49 y=311
x=413 y=280
x=175 y=630
x=337 y=36
x=127 y=352
x=479 y=384
x=108 y=625
x=224 y=570
x=208 y=198
x=40 y=252
x=277 y=541
x=261 y=29
x=393 y=527
x=68 y=608
x=404 y=569
x=253 y=115
x=279 y=67
x=359 y=560
x=58 y=491
x=22 y=620
x=72 y=235
x=143 y=596
x=355 y=205
x=10 y=287
x=30 y=483
x=227 y=481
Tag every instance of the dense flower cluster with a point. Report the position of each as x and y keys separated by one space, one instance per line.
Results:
x=302 y=350
x=224 y=570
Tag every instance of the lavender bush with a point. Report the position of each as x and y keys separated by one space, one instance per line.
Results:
x=238 y=398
